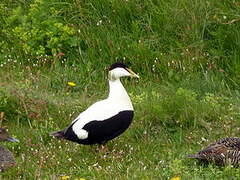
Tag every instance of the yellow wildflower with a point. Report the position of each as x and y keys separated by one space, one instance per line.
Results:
x=71 y=84
x=175 y=178
x=65 y=177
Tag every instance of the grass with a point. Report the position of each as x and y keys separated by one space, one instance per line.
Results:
x=186 y=53
x=169 y=124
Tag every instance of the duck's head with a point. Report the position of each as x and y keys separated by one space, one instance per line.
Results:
x=4 y=136
x=118 y=70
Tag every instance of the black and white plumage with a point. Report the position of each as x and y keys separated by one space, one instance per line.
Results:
x=105 y=119
x=226 y=151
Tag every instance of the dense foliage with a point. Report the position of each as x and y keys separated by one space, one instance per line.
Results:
x=160 y=37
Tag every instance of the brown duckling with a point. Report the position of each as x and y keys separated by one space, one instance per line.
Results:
x=6 y=157
x=223 y=152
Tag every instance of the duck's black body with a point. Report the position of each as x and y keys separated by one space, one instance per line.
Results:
x=101 y=131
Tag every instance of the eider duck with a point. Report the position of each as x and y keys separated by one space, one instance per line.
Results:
x=105 y=119
x=226 y=151
x=6 y=157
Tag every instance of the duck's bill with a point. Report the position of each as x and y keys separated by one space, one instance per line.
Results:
x=133 y=74
x=11 y=139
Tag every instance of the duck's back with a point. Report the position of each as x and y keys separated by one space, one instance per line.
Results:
x=6 y=158
x=225 y=151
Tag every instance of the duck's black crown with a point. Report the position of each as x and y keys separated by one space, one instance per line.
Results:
x=117 y=65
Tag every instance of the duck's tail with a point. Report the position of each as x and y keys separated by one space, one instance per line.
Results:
x=58 y=134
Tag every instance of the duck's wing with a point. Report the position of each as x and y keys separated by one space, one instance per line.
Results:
x=6 y=159
x=226 y=150
x=99 y=111
x=230 y=143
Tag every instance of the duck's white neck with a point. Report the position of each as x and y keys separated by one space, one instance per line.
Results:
x=118 y=94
